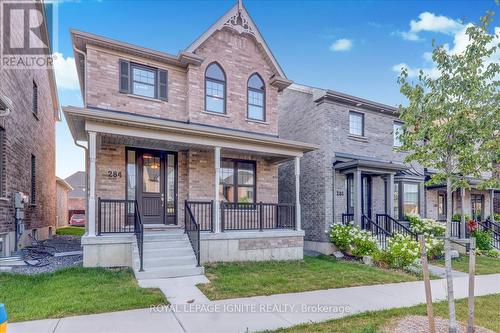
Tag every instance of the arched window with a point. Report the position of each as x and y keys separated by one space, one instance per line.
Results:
x=256 y=98
x=215 y=89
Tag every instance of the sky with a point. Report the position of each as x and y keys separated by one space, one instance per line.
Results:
x=355 y=47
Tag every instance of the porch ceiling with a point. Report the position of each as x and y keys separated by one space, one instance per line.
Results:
x=156 y=133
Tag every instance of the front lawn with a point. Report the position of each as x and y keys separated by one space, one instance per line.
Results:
x=486 y=315
x=73 y=291
x=71 y=231
x=231 y=280
x=484 y=265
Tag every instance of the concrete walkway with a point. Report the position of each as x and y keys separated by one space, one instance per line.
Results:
x=441 y=272
x=256 y=313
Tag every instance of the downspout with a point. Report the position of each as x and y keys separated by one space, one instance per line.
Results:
x=84 y=96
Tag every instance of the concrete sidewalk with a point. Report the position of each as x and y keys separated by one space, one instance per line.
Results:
x=261 y=312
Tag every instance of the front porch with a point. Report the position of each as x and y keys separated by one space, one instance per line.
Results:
x=154 y=180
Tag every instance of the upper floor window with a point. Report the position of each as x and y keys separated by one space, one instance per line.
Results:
x=143 y=81
x=356 y=123
x=397 y=131
x=35 y=99
x=256 y=98
x=215 y=89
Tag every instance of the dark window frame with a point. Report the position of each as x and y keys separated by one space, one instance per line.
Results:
x=33 y=180
x=263 y=92
x=349 y=185
x=362 y=122
x=401 y=190
x=35 y=100
x=155 y=86
x=224 y=85
x=235 y=162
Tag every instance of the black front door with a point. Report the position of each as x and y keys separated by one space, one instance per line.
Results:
x=157 y=186
x=366 y=196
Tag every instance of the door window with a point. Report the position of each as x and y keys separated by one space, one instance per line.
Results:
x=151 y=173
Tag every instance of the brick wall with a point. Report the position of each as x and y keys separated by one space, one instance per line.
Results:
x=25 y=135
x=239 y=56
x=62 y=217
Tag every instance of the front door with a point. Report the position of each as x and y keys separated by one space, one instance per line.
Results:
x=477 y=206
x=157 y=187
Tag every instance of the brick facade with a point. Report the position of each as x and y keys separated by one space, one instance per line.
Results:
x=25 y=135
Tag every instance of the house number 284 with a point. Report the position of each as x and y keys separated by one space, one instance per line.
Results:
x=114 y=174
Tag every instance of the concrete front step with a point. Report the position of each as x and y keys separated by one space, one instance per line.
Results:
x=173 y=252
x=150 y=262
x=168 y=272
x=164 y=237
x=166 y=245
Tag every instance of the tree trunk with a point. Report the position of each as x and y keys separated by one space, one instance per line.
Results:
x=447 y=260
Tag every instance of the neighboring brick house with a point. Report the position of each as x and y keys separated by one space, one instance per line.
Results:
x=62 y=195
x=27 y=149
x=77 y=196
x=193 y=140
x=357 y=174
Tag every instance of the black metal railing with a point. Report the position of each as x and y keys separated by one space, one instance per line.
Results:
x=257 y=216
x=139 y=234
x=393 y=226
x=192 y=229
x=115 y=216
x=121 y=216
x=456 y=229
x=347 y=217
x=495 y=236
x=203 y=214
x=495 y=226
x=375 y=230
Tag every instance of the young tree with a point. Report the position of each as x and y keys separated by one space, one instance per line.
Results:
x=452 y=122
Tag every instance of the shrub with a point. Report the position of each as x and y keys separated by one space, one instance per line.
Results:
x=434 y=247
x=483 y=240
x=402 y=251
x=351 y=239
x=427 y=227
x=414 y=268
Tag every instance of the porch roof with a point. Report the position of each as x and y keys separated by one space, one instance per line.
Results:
x=182 y=134
x=371 y=166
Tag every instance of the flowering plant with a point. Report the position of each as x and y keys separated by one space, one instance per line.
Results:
x=402 y=251
x=472 y=225
x=351 y=239
x=427 y=227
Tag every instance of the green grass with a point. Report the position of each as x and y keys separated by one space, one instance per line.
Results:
x=71 y=231
x=73 y=291
x=486 y=315
x=484 y=265
x=230 y=280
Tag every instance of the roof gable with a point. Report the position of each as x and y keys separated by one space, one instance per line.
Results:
x=238 y=19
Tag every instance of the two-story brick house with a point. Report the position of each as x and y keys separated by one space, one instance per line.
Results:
x=181 y=142
x=29 y=110
x=358 y=174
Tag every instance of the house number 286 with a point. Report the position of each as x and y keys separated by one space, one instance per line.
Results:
x=114 y=174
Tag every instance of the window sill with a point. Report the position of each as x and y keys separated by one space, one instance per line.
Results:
x=4 y=199
x=263 y=122
x=358 y=137
x=216 y=114
x=146 y=98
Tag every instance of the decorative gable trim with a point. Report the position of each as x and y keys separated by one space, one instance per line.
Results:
x=237 y=19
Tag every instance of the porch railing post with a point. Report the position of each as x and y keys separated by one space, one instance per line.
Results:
x=99 y=216
x=261 y=215
x=212 y=216
x=222 y=217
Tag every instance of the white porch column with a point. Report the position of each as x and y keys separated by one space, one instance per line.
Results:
x=217 y=227
x=462 y=212
x=492 y=205
x=390 y=195
x=92 y=183
x=357 y=197
x=297 y=194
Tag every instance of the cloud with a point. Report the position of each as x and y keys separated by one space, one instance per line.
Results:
x=430 y=22
x=446 y=26
x=341 y=45
x=431 y=72
x=65 y=70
